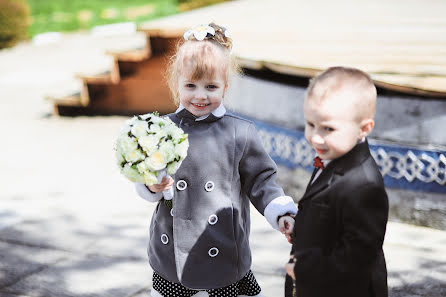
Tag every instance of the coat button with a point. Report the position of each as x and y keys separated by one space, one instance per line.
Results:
x=212 y=219
x=213 y=252
x=164 y=239
x=181 y=185
x=209 y=186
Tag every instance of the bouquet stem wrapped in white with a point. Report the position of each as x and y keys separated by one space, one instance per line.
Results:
x=150 y=147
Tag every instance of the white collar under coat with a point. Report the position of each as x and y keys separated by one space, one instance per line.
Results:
x=218 y=112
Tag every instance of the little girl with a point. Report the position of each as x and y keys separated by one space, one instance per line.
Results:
x=200 y=246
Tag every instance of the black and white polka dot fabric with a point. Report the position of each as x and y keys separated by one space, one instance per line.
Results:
x=246 y=286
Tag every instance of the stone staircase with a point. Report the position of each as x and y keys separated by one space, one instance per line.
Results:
x=135 y=83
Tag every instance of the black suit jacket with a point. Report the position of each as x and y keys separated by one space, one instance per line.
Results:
x=339 y=230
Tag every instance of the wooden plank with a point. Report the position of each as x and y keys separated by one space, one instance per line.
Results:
x=67 y=100
x=144 y=90
x=421 y=85
x=133 y=55
x=403 y=41
x=100 y=78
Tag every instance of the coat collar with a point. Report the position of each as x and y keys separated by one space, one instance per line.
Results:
x=185 y=115
x=338 y=167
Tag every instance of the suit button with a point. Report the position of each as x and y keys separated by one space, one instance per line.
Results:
x=181 y=185
x=213 y=252
x=209 y=186
x=171 y=212
x=164 y=239
x=212 y=220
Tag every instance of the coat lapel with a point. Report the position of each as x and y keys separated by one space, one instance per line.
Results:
x=337 y=167
x=322 y=182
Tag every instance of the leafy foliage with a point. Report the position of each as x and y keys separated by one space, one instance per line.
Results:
x=14 y=22
x=74 y=15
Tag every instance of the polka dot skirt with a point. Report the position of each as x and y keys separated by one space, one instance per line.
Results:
x=246 y=286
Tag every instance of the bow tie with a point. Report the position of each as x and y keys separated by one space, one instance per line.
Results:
x=318 y=163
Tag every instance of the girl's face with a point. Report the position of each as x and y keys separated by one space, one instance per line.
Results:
x=201 y=96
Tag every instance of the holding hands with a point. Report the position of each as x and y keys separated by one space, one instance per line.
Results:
x=286 y=226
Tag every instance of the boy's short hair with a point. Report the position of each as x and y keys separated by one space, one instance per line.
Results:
x=345 y=79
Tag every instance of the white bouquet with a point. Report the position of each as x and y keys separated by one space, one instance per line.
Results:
x=149 y=148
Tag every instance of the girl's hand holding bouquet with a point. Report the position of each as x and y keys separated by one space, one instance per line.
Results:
x=149 y=149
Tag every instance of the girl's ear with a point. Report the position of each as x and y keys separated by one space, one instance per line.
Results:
x=366 y=127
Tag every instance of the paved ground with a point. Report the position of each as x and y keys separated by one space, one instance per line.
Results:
x=70 y=225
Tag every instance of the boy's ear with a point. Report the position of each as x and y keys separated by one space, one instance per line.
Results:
x=366 y=127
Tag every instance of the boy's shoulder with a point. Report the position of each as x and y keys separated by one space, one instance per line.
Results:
x=359 y=167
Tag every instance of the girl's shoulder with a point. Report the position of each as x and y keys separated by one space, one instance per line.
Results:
x=238 y=119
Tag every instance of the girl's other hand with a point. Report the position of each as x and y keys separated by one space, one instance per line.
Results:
x=165 y=184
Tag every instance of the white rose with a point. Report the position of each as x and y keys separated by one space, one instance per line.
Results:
x=124 y=130
x=142 y=167
x=155 y=161
x=173 y=167
x=119 y=156
x=161 y=133
x=156 y=119
x=146 y=116
x=127 y=144
x=171 y=130
x=150 y=178
x=181 y=149
x=168 y=121
x=149 y=143
x=139 y=128
x=131 y=121
x=167 y=149
x=155 y=128
x=134 y=156
x=179 y=134
x=132 y=174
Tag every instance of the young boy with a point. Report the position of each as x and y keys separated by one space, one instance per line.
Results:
x=340 y=226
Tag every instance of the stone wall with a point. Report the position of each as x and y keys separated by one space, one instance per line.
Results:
x=400 y=120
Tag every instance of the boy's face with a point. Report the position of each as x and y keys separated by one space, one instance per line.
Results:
x=332 y=127
x=201 y=96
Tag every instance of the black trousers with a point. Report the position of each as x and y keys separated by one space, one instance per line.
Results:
x=289 y=284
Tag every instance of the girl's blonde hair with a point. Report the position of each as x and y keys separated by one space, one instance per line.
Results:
x=204 y=59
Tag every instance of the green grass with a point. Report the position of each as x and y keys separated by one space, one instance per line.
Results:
x=74 y=15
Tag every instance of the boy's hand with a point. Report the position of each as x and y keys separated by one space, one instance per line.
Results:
x=286 y=226
x=289 y=267
x=165 y=184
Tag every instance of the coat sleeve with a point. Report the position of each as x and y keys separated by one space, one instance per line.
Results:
x=258 y=174
x=364 y=218
x=145 y=194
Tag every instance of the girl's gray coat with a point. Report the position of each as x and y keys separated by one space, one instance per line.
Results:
x=202 y=242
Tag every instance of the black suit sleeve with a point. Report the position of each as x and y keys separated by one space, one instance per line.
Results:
x=363 y=215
